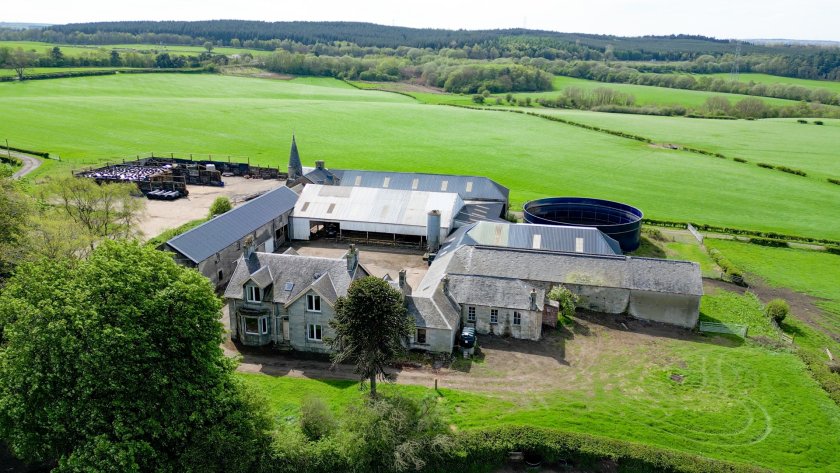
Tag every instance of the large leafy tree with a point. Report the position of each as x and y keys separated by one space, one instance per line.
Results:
x=113 y=364
x=370 y=326
x=15 y=210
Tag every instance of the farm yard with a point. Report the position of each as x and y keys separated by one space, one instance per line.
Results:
x=749 y=401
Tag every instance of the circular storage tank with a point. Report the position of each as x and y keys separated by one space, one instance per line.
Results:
x=621 y=222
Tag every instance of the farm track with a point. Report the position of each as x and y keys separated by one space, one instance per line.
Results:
x=29 y=163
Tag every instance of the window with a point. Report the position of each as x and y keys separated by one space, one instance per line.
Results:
x=256 y=325
x=313 y=303
x=517 y=318
x=253 y=294
x=386 y=182
x=444 y=185
x=578 y=245
x=358 y=181
x=494 y=316
x=536 y=242
x=415 y=183
x=469 y=186
x=421 y=336
x=470 y=314
x=330 y=208
x=305 y=206
x=221 y=275
x=238 y=245
x=314 y=332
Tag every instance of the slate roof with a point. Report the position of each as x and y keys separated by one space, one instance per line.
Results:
x=494 y=292
x=434 y=311
x=327 y=275
x=669 y=276
x=468 y=187
x=217 y=234
x=554 y=238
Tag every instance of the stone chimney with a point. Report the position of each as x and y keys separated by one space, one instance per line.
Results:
x=533 y=299
x=319 y=165
x=445 y=282
x=250 y=246
x=352 y=258
x=402 y=279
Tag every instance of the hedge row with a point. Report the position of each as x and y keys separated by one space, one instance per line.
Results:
x=783 y=169
x=62 y=75
x=730 y=269
x=818 y=365
x=834 y=181
x=741 y=231
x=486 y=450
x=833 y=249
x=740 y=160
x=10 y=160
x=27 y=151
x=769 y=242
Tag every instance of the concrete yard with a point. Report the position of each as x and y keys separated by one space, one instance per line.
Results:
x=160 y=215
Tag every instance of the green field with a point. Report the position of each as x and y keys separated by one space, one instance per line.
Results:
x=90 y=119
x=738 y=403
x=781 y=141
x=646 y=94
x=51 y=70
x=833 y=86
x=76 y=50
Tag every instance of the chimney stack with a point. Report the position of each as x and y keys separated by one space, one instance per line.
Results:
x=402 y=279
x=250 y=246
x=445 y=282
x=352 y=258
x=533 y=299
x=319 y=164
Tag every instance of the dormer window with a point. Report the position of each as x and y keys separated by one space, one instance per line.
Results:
x=253 y=294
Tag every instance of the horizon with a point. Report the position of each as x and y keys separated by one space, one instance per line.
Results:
x=809 y=21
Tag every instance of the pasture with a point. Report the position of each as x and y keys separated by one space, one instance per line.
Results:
x=91 y=119
x=728 y=405
x=646 y=94
x=768 y=79
x=778 y=141
x=81 y=49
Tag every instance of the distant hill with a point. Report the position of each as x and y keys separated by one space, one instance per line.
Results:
x=794 y=42
x=23 y=26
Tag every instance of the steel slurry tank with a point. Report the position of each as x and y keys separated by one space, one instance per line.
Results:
x=620 y=221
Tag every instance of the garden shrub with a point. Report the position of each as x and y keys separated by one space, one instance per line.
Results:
x=777 y=309
x=834 y=181
x=740 y=160
x=769 y=242
x=765 y=165
x=818 y=122
x=316 y=419
x=802 y=121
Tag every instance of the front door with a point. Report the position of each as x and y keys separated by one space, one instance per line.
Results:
x=285 y=328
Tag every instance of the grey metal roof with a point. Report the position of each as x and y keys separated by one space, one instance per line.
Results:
x=494 y=292
x=544 y=237
x=480 y=211
x=217 y=234
x=468 y=187
x=328 y=275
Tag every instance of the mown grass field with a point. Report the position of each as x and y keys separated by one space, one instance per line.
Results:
x=91 y=119
x=645 y=94
x=782 y=141
x=739 y=403
x=50 y=70
x=768 y=79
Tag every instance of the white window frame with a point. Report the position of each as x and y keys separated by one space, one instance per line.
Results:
x=262 y=325
x=310 y=303
x=471 y=314
x=517 y=318
x=253 y=294
x=312 y=332
x=494 y=316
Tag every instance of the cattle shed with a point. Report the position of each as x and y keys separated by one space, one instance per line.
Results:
x=375 y=213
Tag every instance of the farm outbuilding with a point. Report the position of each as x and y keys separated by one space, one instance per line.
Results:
x=370 y=213
x=214 y=246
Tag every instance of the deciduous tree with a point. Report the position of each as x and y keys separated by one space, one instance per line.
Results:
x=114 y=364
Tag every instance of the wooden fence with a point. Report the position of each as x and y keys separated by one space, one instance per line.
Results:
x=715 y=327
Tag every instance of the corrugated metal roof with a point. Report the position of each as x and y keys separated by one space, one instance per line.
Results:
x=479 y=211
x=371 y=205
x=217 y=234
x=468 y=187
x=543 y=237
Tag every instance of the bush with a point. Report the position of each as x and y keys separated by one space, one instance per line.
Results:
x=769 y=242
x=567 y=300
x=791 y=170
x=777 y=309
x=219 y=206
x=316 y=419
x=478 y=98
x=802 y=121
x=818 y=122
x=834 y=181
x=740 y=160
x=765 y=165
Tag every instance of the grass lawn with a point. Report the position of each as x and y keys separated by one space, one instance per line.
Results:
x=646 y=94
x=90 y=119
x=739 y=403
x=733 y=308
x=782 y=141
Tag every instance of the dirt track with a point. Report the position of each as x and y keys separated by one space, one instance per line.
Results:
x=29 y=163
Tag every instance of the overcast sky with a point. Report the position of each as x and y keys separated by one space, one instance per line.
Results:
x=802 y=19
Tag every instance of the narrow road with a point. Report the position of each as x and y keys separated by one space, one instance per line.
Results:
x=29 y=163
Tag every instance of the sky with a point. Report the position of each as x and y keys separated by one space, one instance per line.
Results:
x=742 y=19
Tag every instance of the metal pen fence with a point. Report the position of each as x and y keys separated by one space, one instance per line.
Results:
x=716 y=327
